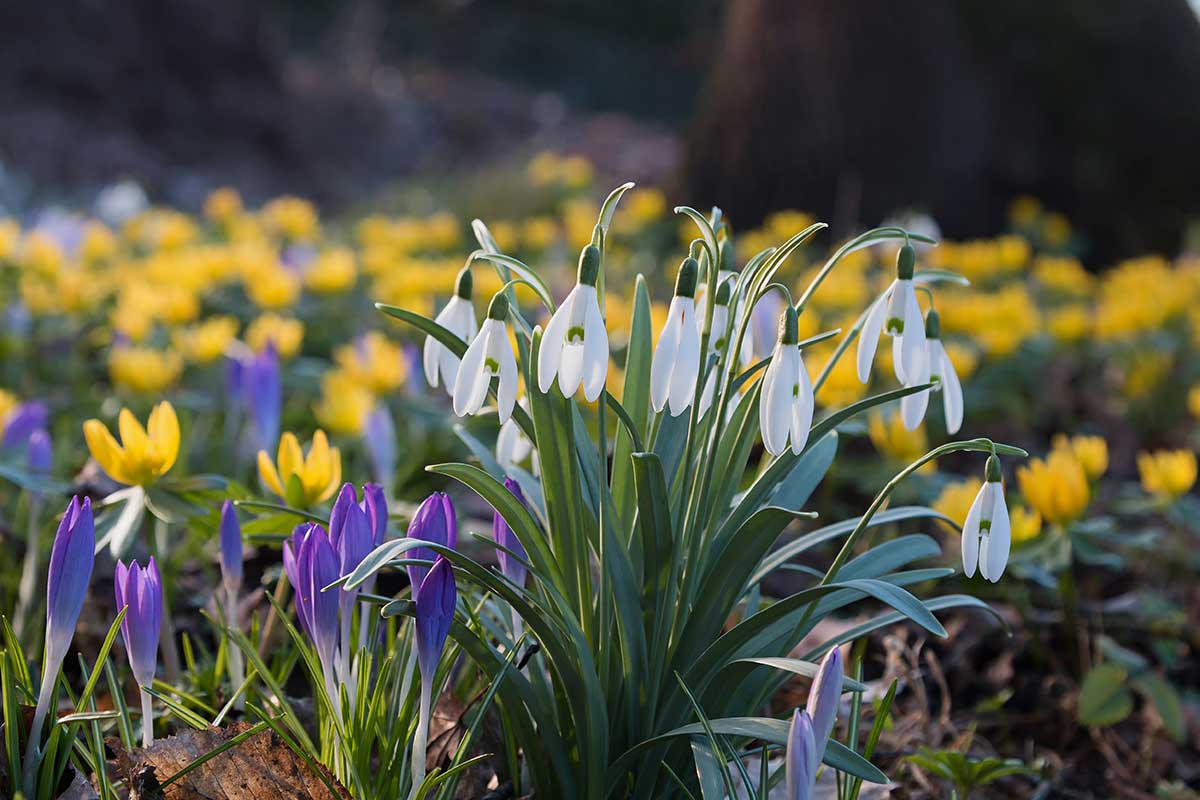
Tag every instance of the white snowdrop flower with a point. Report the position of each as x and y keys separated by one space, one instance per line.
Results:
x=575 y=343
x=785 y=406
x=490 y=355
x=676 y=361
x=987 y=535
x=512 y=445
x=897 y=313
x=718 y=338
x=458 y=317
x=938 y=369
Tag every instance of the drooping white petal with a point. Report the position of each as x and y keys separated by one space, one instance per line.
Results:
x=913 y=406
x=993 y=554
x=952 y=397
x=664 y=356
x=914 y=330
x=550 y=354
x=970 y=532
x=429 y=358
x=595 y=351
x=898 y=359
x=471 y=373
x=868 y=338
x=458 y=317
x=687 y=360
x=570 y=368
x=774 y=403
x=501 y=352
x=512 y=446
x=802 y=406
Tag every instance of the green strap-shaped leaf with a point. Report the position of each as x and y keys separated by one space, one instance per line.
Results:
x=635 y=398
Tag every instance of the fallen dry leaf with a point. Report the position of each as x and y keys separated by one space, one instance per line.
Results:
x=260 y=768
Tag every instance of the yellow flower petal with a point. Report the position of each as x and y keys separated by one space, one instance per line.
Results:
x=291 y=458
x=335 y=474
x=105 y=450
x=133 y=436
x=316 y=466
x=267 y=473
x=163 y=428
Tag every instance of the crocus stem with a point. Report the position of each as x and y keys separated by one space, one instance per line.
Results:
x=29 y=571
x=281 y=592
x=33 y=748
x=364 y=620
x=409 y=668
x=237 y=666
x=420 y=741
x=147 y=719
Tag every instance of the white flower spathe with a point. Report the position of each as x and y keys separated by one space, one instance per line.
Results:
x=441 y=365
x=490 y=354
x=676 y=362
x=512 y=445
x=898 y=308
x=987 y=533
x=785 y=408
x=575 y=346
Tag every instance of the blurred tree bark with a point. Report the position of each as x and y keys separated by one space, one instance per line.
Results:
x=857 y=110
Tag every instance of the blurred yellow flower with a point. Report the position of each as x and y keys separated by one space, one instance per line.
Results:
x=40 y=253
x=1063 y=275
x=144 y=454
x=1193 y=400
x=145 y=370
x=896 y=442
x=538 y=233
x=1024 y=523
x=1069 y=324
x=639 y=208
x=273 y=288
x=373 y=362
x=10 y=237
x=842 y=386
x=206 y=341
x=1024 y=211
x=550 y=169
x=1055 y=486
x=331 y=271
x=344 y=404
x=1146 y=375
x=223 y=205
x=1056 y=230
x=97 y=245
x=293 y=218
x=1167 y=474
x=8 y=402
x=956 y=498
x=1090 y=451
x=285 y=333
x=299 y=480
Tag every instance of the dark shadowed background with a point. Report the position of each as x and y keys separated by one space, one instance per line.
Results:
x=851 y=110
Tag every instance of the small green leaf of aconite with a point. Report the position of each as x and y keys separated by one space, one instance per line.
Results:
x=1166 y=702
x=1104 y=699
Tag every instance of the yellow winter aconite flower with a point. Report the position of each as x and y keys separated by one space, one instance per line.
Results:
x=98 y=244
x=299 y=479
x=538 y=233
x=8 y=402
x=1063 y=275
x=1090 y=451
x=344 y=404
x=274 y=287
x=956 y=499
x=1024 y=211
x=1193 y=400
x=893 y=440
x=223 y=205
x=144 y=454
x=373 y=362
x=641 y=207
x=40 y=253
x=293 y=218
x=331 y=271
x=285 y=333
x=206 y=341
x=10 y=236
x=1055 y=486
x=1069 y=324
x=145 y=370
x=842 y=386
x=1167 y=474
x=1025 y=524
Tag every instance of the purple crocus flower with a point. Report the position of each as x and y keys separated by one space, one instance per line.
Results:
x=801 y=747
x=352 y=539
x=436 y=597
x=235 y=374
x=379 y=440
x=294 y=553
x=436 y=522
x=140 y=589
x=39 y=456
x=822 y=705
x=512 y=568
x=262 y=394
x=318 y=567
x=374 y=503
x=23 y=421
x=230 y=535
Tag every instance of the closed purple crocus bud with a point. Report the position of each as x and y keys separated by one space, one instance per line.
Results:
x=379 y=440
x=435 y=601
x=230 y=535
x=39 y=456
x=318 y=566
x=352 y=539
x=70 y=571
x=435 y=522
x=293 y=554
x=512 y=568
x=822 y=706
x=140 y=590
x=374 y=503
x=262 y=391
x=23 y=421
x=801 y=776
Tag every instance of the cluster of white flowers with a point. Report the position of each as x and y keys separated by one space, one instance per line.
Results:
x=574 y=353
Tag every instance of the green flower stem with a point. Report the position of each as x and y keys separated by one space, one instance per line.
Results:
x=29 y=571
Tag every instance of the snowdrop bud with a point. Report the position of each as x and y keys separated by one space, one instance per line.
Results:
x=906 y=260
x=685 y=283
x=723 y=292
x=464 y=283
x=498 y=308
x=933 y=325
x=987 y=533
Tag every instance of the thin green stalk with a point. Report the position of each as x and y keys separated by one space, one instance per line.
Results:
x=29 y=570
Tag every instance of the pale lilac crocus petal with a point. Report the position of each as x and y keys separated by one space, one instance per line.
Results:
x=798 y=759
x=502 y=534
x=23 y=421
x=39 y=456
x=823 y=700
x=379 y=440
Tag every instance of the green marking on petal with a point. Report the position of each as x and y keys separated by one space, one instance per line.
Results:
x=575 y=334
x=895 y=326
